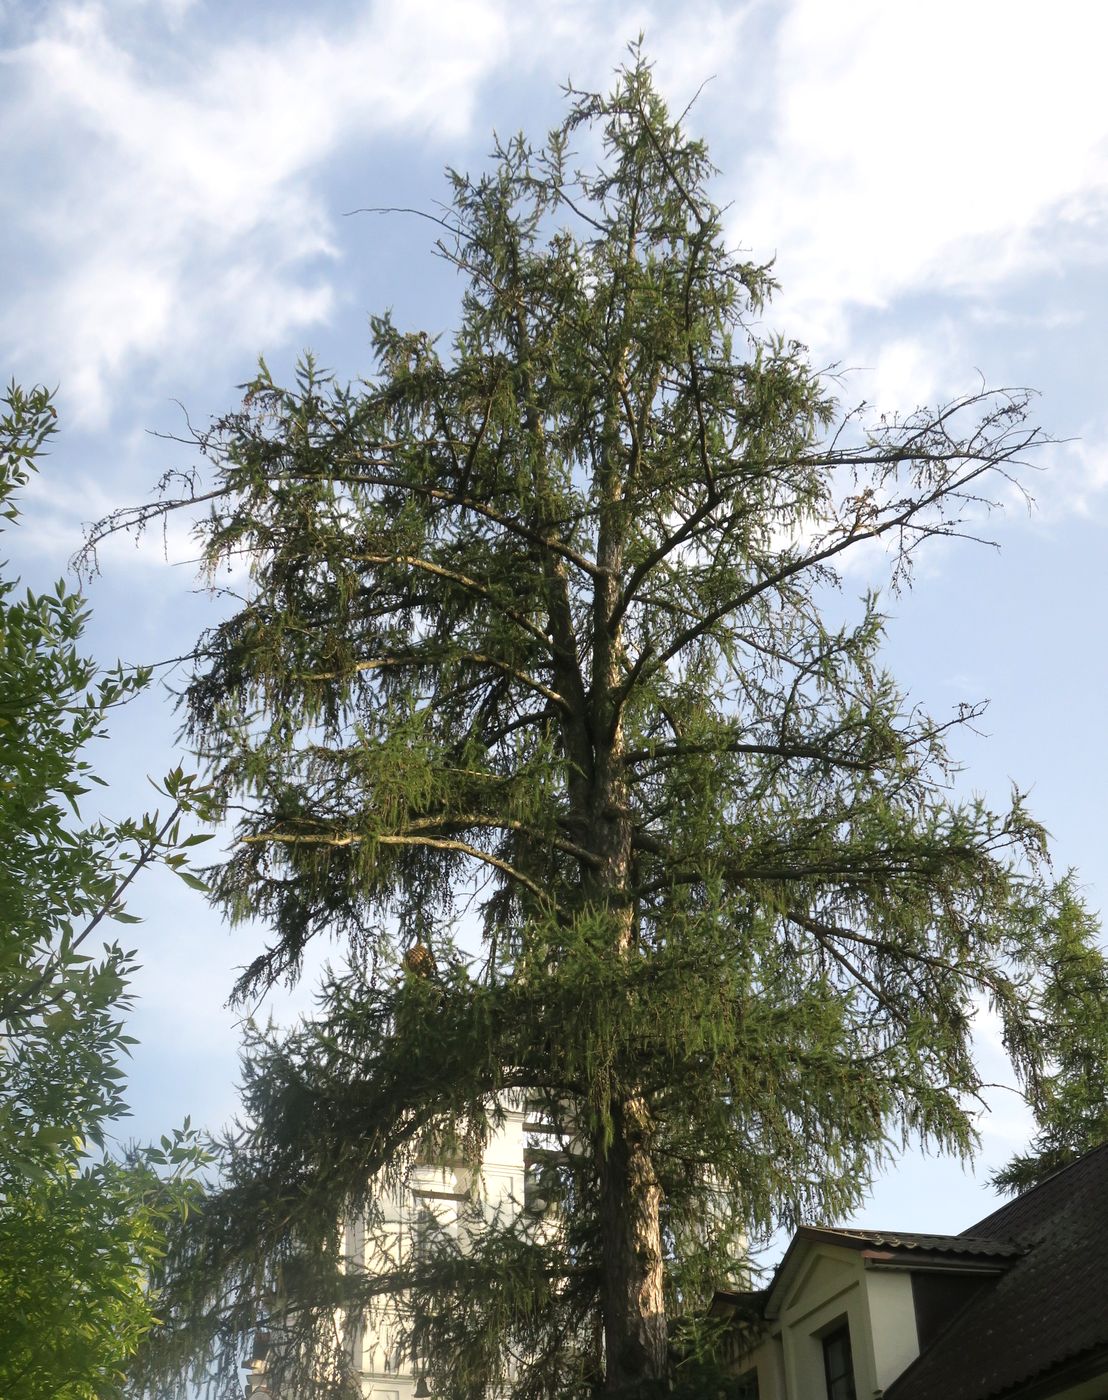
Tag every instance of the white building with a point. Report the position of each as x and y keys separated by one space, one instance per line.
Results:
x=453 y=1200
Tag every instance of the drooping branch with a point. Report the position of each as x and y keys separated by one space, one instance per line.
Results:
x=380 y=663
x=441 y=843
x=511 y=525
x=660 y=752
x=470 y=584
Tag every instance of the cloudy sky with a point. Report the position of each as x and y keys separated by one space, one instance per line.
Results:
x=176 y=178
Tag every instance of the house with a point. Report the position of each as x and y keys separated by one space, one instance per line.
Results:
x=1013 y=1308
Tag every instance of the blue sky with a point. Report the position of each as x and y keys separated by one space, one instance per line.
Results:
x=175 y=182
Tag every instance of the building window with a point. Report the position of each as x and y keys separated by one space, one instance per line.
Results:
x=746 y=1387
x=838 y=1365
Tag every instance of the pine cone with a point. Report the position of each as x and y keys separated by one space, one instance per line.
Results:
x=420 y=961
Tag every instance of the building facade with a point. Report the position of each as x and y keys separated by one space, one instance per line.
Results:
x=454 y=1201
x=1014 y=1308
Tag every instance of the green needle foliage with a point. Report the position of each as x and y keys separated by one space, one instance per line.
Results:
x=539 y=659
x=1072 y=1106
x=79 y=1234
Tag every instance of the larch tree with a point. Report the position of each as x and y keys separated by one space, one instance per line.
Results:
x=1071 y=1104
x=535 y=699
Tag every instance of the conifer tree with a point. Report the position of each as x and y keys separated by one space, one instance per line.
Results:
x=540 y=678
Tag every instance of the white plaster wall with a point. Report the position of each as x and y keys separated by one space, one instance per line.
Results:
x=832 y=1285
x=830 y=1289
x=460 y=1202
x=769 y=1361
x=892 y=1322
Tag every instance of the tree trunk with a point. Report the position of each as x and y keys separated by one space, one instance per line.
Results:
x=632 y=1296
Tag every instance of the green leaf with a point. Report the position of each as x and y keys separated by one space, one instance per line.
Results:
x=193 y=881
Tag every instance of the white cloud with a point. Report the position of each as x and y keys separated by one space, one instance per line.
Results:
x=177 y=200
x=1007 y=1123
x=919 y=148
x=1074 y=482
x=904 y=374
x=166 y=193
x=175 y=209
x=694 y=45
x=587 y=41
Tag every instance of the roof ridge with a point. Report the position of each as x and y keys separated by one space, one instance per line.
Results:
x=866 y=1231
x=1038 y=1186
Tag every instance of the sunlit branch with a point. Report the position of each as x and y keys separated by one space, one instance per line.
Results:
x=441 y=843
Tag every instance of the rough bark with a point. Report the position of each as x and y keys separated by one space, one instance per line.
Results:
x=633 y=1300
x=632 y=1291
x=632 y=1288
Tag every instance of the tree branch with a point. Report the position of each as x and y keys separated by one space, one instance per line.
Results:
x=441 y=843
x=472 y=585
x=380 y=663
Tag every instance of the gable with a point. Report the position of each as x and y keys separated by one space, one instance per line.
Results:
x=823 y=1277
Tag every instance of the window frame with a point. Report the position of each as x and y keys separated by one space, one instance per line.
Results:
x=746 y=1384
x=839 y=1332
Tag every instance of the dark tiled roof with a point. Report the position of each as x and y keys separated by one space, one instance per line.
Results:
x=745 y=1299
x=979 y=1246
x=966 y=1249
x=1046 y=1312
